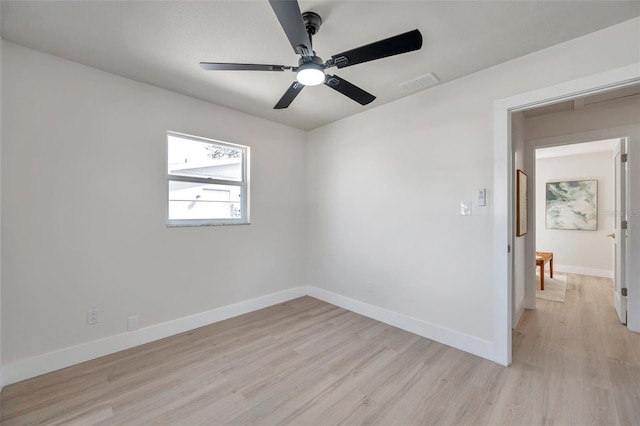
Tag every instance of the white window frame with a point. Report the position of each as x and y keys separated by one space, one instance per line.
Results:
x=243 y=184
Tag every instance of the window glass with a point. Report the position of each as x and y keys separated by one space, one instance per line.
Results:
x=207 y=181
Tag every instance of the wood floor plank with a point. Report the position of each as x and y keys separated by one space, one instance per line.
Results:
x=309 y=362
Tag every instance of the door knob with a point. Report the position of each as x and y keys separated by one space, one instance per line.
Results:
x=612 y=235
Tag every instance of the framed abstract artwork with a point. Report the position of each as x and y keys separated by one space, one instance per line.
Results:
x=521 y=203
x=572 y=204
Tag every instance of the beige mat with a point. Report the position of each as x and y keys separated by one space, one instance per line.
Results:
x=554 y=288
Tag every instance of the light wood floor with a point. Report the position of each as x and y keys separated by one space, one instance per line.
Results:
x=307 y=362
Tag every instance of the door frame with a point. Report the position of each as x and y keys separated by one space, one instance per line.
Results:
x=621 y=191
x=631 y=133
x=503 y=181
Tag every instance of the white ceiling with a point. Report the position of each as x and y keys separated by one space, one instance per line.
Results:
x=585 y=101
x=162 y=42
x=607 y=145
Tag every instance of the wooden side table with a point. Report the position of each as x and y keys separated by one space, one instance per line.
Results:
x=543 y=257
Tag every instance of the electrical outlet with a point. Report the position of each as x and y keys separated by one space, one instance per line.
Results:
x=369 y=287
x=92 y=316
x=133 y=323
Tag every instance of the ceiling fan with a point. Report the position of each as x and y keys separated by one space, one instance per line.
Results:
x=299 y=28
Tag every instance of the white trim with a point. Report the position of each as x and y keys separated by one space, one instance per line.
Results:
x=503 y=177
x=456 y=339
x=503 y=236
x=51 y=361
x=580 y=270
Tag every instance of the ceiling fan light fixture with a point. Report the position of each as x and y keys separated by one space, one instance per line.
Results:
x=310 y=74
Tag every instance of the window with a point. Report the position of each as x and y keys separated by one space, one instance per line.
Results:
x=208 y=181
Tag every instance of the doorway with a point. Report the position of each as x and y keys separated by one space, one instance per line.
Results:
x=580 y=198
x=602 y=122
x=504 y=149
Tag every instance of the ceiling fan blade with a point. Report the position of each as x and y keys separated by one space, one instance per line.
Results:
x=222 y=66
x=290 y=17
x=289 y=95
x=349 y=90
x=391 y=46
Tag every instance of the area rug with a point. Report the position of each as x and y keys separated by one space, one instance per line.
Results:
x=554 y=288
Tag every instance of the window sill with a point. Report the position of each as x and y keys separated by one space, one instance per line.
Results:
x=183 y=224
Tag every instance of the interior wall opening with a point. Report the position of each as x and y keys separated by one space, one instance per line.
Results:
x=590 y=127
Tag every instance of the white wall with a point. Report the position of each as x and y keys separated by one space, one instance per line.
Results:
x=587 y=252
x=427 y=153
x=83 y=198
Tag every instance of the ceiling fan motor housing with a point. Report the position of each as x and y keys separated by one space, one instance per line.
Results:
x=310 y=59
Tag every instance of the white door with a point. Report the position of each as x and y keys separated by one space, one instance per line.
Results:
x=619 y=232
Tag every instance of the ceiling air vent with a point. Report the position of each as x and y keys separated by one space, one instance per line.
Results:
x=420 y=83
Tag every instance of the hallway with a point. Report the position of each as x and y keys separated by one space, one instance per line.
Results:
x=575 y=361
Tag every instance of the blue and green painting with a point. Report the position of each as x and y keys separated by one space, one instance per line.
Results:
x=572 y=205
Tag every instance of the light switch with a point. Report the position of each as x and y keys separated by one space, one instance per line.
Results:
x=482 y=197
x=465 y=208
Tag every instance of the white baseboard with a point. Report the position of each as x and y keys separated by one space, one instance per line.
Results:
x=580 y=270
x=51 y=361
x=456 y=339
